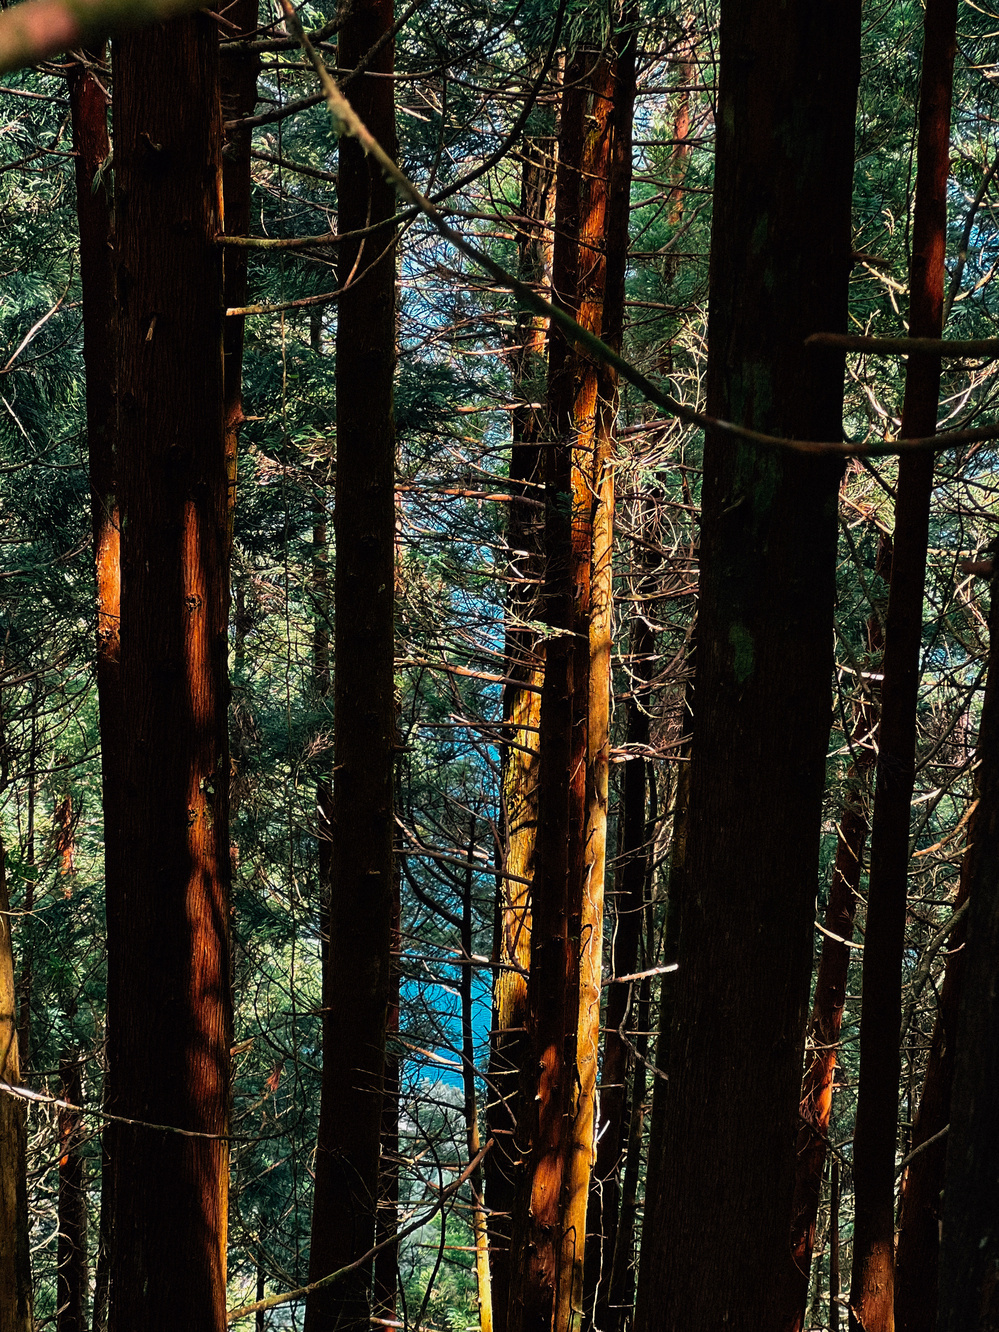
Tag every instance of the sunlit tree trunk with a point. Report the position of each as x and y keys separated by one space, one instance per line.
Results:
x=357 y=977
x=169 y=1013
x=615 y=160
x=876 y=1129
x=780 y=266
x=567 y=920
x=15 y=1261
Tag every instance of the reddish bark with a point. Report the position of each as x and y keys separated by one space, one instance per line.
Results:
x=876 y=1129
x=357 y=978
x=780 y=265
x=610 y=1142
x=550 y=1223
x=168 y=946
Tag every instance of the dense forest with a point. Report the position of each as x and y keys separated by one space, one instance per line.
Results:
x=499 y=749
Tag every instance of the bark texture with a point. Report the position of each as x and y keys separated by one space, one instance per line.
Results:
x=549 y=1226
x=168 y=924
x=876 y=1129
x=779 y=271
x=357 y=979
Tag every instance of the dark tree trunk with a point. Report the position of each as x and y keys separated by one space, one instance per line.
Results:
x=356 y=980
x=822 y=1036
x=876 y=1129
x=15 y=1260
x=169 y=1013
x=71 y=1261
x=779 y=271
x=969 y=1247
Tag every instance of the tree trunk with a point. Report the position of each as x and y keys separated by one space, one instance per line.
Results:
x=509 y=1048
x=169 y=1015
x=780 y=266
x=969 y=1247
x=15 y=1260
x=602 y=1182
x=550 y=1224
x=876 y=1129
x=88 y=107
x=822 y=1036
x=71 y=1262
x=356 y=980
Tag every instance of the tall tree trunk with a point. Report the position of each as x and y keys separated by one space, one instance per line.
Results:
x=509 y=1047
x=876 y=1129
x=356 y=980
x=550 y=1224
x=601 y=628
x=71 y=1262
x=15 y=1260
x=779 y=271
x=608 y=154
x=969 y=1247
x=88 y=107
x=169 y=1013
x=822 y=1036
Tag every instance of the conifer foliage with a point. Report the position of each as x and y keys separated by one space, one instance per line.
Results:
x=495 y=614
